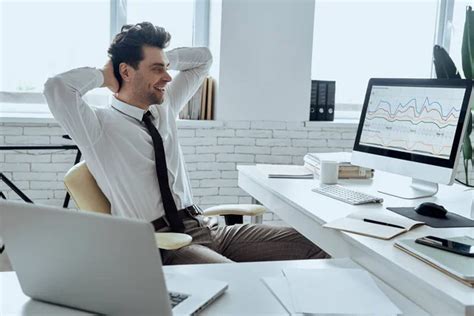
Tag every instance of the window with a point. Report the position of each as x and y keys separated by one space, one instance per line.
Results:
x=40 y=39
x=358 y=40
x=175 y=16
x=456 y=29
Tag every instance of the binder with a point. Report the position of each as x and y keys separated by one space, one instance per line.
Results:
x=322 y=100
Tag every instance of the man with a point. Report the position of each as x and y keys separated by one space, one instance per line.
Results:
x=132 y=148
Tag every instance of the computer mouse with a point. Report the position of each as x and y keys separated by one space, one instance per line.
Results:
x=431 y=210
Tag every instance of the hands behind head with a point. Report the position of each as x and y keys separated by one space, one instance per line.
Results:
x=109 y=78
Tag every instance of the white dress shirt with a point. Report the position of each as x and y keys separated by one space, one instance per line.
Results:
x=117 y=146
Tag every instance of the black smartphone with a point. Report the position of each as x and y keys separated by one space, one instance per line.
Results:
x=448 y=245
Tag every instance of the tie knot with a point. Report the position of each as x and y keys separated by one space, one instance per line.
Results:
x=147 y=116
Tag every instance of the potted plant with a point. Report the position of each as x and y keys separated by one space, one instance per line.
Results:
x=446 y=69
x=468 y=69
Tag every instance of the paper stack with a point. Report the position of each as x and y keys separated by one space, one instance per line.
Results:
x=321 y=291
x=346 y=169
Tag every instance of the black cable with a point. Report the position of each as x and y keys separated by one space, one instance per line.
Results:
x=463 y=183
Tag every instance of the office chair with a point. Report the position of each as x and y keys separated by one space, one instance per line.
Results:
x=84 y=190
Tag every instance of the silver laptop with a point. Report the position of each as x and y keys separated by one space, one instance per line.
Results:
x=97 y=263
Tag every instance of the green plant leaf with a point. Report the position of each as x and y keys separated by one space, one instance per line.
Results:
x=467 y=49
x=444 y=65
x=467 y=54
x=467 y=146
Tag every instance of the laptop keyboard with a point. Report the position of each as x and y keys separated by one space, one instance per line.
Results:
x=176 y=298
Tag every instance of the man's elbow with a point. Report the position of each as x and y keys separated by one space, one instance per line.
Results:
x=53 y=91
x=207 y=56
x=50 y=86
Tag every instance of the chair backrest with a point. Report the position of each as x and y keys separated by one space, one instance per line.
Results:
x=84 y=190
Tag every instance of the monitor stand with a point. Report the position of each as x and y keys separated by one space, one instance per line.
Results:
x=418 y=189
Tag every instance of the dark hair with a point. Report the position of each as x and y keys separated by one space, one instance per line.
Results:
x=127 y=46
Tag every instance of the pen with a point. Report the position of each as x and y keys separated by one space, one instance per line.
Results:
x=382 y=223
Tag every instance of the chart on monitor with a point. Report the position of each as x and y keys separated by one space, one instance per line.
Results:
x=416 y=120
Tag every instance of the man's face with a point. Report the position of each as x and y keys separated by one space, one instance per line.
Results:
x=150 y=79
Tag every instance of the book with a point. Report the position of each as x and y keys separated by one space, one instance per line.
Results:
x=342 y=157
x=202 y=115
x=378 y=224
x=460 y=268
x=209 y=99
x=285 y=171
x=199 y=107
x=346 y=169
x=195 y=104
x=351 y=172
x=184 y=114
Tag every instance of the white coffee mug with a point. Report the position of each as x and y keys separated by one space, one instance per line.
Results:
x=329 y=171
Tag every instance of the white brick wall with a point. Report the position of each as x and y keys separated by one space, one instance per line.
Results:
x=211 y=149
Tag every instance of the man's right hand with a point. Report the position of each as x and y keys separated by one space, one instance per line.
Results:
x=109 y=77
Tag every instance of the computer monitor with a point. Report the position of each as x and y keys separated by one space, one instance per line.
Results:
x=415 y=128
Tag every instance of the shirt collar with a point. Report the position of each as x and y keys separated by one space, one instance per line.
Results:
x=128 y=109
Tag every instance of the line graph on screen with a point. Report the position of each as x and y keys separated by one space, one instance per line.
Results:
x=420 y=120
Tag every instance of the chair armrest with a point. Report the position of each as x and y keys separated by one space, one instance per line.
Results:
x=235 y=209
x=172 y=241
x=5 y=264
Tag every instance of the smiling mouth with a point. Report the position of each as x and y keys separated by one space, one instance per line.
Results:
x=162 y=90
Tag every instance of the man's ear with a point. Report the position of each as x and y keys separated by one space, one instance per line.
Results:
x=126 y=72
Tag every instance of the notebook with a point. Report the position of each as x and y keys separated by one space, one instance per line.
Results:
x=285 y=171
x=378 y=224
x=456 y=266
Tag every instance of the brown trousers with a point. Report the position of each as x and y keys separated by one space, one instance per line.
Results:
x=241 y=243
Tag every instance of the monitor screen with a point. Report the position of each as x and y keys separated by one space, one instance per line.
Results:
x=416 y=120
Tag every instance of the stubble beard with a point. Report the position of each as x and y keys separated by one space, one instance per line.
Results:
x=148 y=97
x=154 y=99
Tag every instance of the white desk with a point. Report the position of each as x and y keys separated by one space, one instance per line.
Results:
x=246 y=294
x=295 y=203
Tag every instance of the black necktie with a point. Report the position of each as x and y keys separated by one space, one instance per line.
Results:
x=171 y=210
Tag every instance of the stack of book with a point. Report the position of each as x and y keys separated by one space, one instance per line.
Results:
x=200 y=107
x=346 y=169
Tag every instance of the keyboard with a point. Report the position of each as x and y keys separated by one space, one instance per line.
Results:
x=347 y=195
x=176 y=298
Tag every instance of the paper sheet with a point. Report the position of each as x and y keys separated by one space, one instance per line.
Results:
x=279 y=287
x=337 y=291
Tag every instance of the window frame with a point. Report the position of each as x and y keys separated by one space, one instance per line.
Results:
x=442 y=37
x=118 y=17
x=443 y=27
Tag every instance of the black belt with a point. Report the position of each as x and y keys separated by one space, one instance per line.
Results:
x=190 y=211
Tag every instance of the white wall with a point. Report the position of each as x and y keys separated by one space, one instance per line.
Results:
x=265 y=60
x=212 y=150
